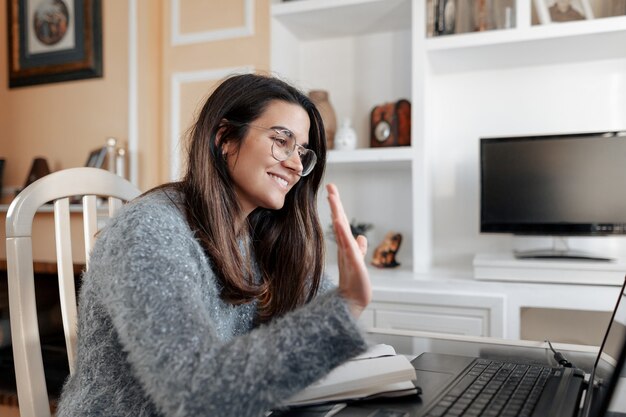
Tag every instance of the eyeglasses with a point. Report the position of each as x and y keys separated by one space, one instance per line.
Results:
x=283 y=146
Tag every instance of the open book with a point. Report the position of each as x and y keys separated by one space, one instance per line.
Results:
x=377 y=372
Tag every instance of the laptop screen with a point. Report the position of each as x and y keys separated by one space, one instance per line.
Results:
x=609 y=371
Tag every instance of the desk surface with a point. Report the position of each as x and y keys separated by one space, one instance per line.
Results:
x=418 y=342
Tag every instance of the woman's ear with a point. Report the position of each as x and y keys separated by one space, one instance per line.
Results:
x=225 y=150
x=220 y=141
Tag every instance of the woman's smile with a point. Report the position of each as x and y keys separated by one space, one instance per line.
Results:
x=281 y=181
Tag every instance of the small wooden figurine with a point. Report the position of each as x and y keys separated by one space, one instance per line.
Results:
x=385 y=253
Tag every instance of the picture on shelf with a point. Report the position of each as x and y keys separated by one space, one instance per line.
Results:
x=550 y=11
x=96 y=158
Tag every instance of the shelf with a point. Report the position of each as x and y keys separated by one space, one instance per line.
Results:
x=612 y=26
x=536 y=45
x=382 y=275
x=320 y=19
x=371 y=155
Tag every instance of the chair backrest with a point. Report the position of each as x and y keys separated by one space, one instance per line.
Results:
x=58 y=187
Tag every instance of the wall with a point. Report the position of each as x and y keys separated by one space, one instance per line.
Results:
x=230 y=36
x=145 y=86
x=560 y=97
x=564 y=325
x=5 y=148
x=65 y=121
x=5 y=143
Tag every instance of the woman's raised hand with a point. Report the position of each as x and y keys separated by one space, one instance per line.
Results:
x=354 y=281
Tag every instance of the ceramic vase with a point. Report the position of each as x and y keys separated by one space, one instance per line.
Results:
x=322 y=102
x=345 y=138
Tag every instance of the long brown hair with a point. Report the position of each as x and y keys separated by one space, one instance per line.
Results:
x=287 y=243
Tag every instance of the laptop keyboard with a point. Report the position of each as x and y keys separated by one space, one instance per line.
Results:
x=493 y=388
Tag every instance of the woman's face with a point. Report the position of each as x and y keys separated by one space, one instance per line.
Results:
x=259 y=179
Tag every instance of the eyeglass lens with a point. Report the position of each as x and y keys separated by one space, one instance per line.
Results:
x=285 y=144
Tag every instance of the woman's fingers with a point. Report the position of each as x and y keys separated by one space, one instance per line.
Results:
x=353 y=276
x=340 y=220
x=341 y=226
x=362 y=242
x=336 y=206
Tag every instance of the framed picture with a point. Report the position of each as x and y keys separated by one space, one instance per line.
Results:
x=550 y=11
x=53 y=41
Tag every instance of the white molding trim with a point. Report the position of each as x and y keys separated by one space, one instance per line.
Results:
x=133 y=94
x=176 y=81
x=179 y=38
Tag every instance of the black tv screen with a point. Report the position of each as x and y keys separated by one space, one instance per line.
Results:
x=559 y=185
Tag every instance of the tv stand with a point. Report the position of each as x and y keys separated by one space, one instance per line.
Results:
x=560 y=250
x=560 y=254
x=503 y=266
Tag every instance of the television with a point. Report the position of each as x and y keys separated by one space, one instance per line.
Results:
x=554 y=185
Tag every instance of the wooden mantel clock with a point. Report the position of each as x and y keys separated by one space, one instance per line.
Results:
x=390 y=124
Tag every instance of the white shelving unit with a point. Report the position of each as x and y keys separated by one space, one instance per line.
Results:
x=360 y=51
x=561 y=77
x=530 y=79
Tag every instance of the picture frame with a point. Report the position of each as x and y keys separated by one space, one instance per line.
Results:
x=552 y=11
x=54 y=41
x=96 y=158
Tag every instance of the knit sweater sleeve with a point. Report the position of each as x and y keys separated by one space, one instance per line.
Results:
x=151 y=287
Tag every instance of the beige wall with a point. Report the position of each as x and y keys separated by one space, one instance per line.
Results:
x=210 y=56
x=5 y=148
x=564 y=326
x=64 y=121
x=149 y=95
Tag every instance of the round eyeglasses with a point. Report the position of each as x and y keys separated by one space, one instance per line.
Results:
x=284 y=145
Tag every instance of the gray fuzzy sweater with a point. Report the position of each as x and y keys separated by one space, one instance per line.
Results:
x=155 y=339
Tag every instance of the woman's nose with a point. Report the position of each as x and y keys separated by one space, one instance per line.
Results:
x=294 y=163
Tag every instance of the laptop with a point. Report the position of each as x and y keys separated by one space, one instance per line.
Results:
x=455 y=385
x=607 y=395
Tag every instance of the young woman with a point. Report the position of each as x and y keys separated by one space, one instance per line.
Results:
x=205 y=297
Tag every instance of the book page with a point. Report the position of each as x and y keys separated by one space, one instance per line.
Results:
x=359 y=378
x=376 y=351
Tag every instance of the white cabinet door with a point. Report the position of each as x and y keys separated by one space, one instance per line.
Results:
x=458 y=313
x=448 y=320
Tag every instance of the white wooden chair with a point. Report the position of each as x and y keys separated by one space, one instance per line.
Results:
x=57 y=187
